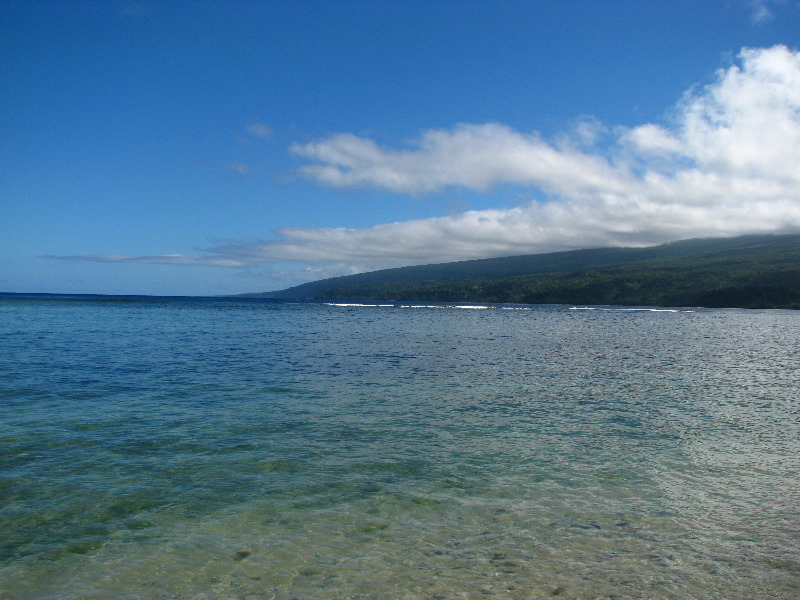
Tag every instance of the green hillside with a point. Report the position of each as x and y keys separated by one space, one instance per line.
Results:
x=747 y=272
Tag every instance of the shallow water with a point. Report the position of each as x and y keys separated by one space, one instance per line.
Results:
x=216 y=449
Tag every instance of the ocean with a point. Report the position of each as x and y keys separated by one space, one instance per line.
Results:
x=190 y=448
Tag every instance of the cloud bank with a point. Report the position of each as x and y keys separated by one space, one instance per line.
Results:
x=727 y=163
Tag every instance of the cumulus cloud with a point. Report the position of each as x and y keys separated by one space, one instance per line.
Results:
x=472 y=156
x=743 y=127
x=727 y=163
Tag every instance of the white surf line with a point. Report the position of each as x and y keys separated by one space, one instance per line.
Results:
x=609 y=309
x=348 y=304
x=436 y=306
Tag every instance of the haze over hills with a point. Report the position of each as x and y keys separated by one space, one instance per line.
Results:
x=748 y=271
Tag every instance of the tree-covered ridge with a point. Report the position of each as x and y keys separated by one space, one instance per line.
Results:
x=747 y=272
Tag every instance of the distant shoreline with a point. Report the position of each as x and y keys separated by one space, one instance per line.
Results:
x=741 y=272
x=350 y=303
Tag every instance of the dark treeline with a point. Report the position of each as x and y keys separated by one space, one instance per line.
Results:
x=745 y=272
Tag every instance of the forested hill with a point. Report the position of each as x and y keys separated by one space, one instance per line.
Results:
x=748 y=272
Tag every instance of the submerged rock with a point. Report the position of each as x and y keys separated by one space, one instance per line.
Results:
x=241 y=554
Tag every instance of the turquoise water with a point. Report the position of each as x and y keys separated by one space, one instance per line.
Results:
x=214 y=449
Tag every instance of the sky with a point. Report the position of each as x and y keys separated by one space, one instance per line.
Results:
x=205 y=148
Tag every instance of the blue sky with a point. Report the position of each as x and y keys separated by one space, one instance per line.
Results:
x=195 y=148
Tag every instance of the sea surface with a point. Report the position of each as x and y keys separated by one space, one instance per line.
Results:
x=217 y=449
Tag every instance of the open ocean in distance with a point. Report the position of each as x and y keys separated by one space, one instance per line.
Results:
x=218 y=449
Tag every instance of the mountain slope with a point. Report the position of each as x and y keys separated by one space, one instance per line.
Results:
x=748 y=271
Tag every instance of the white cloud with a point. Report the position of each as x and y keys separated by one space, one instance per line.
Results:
x=473 y=156
x=727 y=163
x=745 y=125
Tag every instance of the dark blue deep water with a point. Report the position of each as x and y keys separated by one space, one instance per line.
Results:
x=224 y=449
